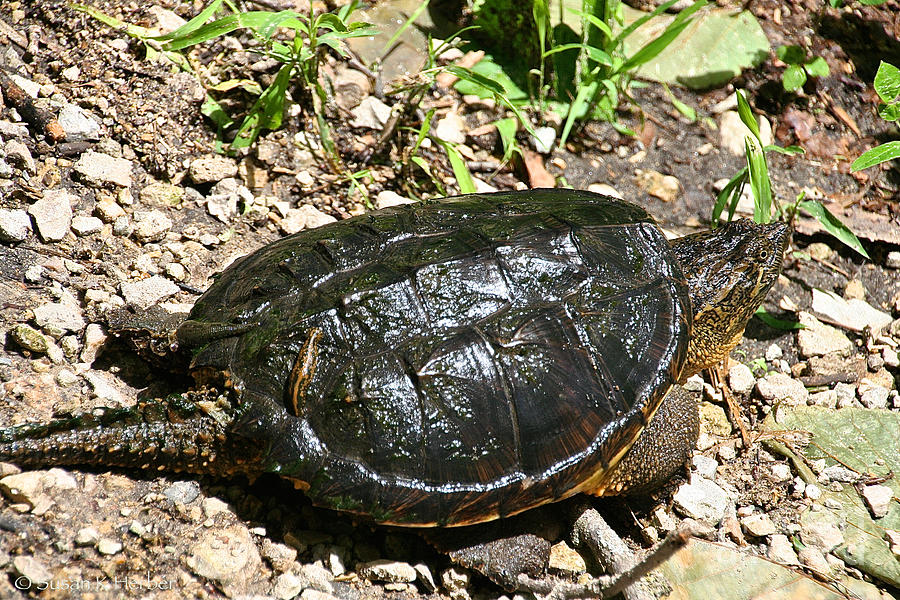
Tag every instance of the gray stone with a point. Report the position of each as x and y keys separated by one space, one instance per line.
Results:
x=874 y=396
x=52 y=214
x=15 y=225
x=29 y=338
x=83 y=225
x=658 y=185
x=211 y=169
x=227 y=556
x=305 y=217
x=108 y=210
x=813 y=558
x=12 y=130
x=151 y=225
x=59 y=317
x=890 y=357
x=818 y=339
x=94 y=338
x=371 y=113
x=781 y=550
x=543 y=139
x=78 y=124
x=350 y=87
x=184 y=492
x=774 y=353
x=705 y=466
x=145 y=293
x=99 y=169
x=103 y=387
x=19 y=154
x=893 y=260
x=838 y=473
x=425 y=577
x=778 y=387
x=701 y=499
x=812 y=491
x=758 y=525
x=820 y=529
x=310 y=594
x=33 y=570
x=454 y=580
x=854 y=314
x=287 y=586
x=280 y=556
x=878 y=499
x=451 y=128
x=387 y=570
x=87 y=536
x=740 y=379
x=109 y=547
x=732 y=132
x=317 y=576
x=27 y=487
x=387 y=198
x=162 y=194
x=780 y=471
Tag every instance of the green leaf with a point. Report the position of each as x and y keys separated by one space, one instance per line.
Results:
x=729 y=196
x=266 y=112
x=507 y=130
x=877 y=155
x=776 y=323
x=578 y=106
x=423 y=164
x=193 y=24
x=889 y=112
x=789 y=150
x=652 y=49
x=833 y=225
x=793 y=78
x=747 y=115
x=792 y=55
x=141 y=33
x=680 y=106
x=865 y=441
x=460 y=171
x=887 y=82
x=476 y=78
x=216 y=113
x=817 y=67
x=423 y=131
x=594 y=21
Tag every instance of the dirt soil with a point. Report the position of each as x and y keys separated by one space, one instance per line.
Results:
x=142 y=535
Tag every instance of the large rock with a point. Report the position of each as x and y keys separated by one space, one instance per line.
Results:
x=52 y=214
x=818 y=339
x=99 y=169
x=227 y=556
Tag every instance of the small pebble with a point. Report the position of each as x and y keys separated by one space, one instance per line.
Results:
x=87 y=536
x=108 y=547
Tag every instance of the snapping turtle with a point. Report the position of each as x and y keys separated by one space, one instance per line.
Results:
x=450 y=362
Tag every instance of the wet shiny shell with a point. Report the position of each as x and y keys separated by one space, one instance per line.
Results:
x=455 y=361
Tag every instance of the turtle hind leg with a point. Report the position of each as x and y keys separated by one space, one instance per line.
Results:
x=168 y=435
x=663 y=447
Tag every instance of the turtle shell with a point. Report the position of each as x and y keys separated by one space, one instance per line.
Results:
x=453 y=361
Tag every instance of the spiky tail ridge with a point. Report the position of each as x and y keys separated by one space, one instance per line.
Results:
x=173 y=434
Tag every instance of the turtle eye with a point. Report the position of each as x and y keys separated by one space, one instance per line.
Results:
x=763 y=254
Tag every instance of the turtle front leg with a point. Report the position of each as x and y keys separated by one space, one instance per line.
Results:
x=663 y=447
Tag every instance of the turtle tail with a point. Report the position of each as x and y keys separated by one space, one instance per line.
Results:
x=161 y=435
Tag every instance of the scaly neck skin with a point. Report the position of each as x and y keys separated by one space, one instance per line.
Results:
x=729 y=271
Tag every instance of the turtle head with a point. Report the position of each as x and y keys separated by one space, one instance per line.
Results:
x=729 y=271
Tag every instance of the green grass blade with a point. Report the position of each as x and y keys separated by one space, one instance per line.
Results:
x=422 y=164
x=266 y=112
x=789 y=150
x=423 y=131
x=578 y=105
x=507 y=130
x=729 y=196
x=776 y=323
x=746 y=115
x=460 y=170
x=192 y=25
x=833 y=225
x=759 y=182
x=877 y=155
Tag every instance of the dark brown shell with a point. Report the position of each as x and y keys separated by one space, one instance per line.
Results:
x=453 y=361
